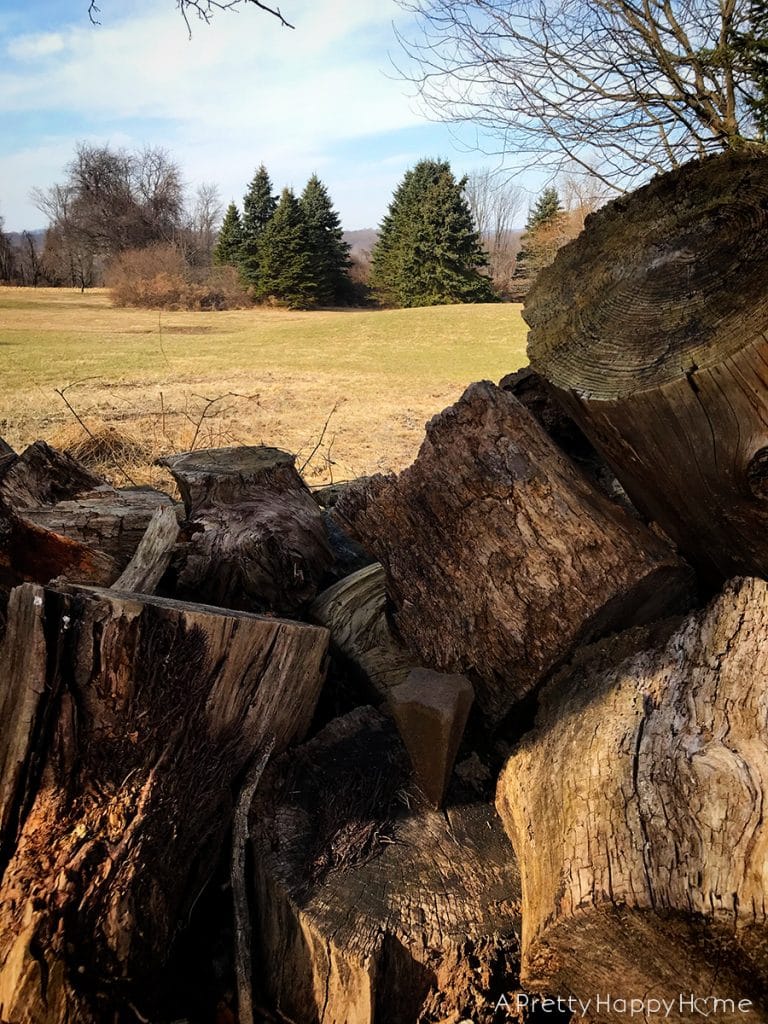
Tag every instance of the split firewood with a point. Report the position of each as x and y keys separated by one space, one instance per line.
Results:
x=652 y=327
x=354 y=610
x=41 y=475
x=126 y=722
x=153 y=555
x=636 y=809
x=499 y=554
x=256 y=537
x=371 y=906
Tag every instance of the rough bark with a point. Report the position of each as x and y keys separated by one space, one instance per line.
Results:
x=372 y=907
x=500 y=555
x=652 y=326
x=635 y=808
x=355 y=612
x=256 y=538
x=127 y=720
x=153 y=555
x=113 y=521
x=41 y=475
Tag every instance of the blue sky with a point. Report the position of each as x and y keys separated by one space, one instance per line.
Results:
x=323 y=98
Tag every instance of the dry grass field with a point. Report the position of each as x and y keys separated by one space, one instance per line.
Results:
x=145 y=383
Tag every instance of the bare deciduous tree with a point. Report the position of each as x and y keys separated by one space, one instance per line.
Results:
x=496 y=204
x=203 y=9
x=630 y=87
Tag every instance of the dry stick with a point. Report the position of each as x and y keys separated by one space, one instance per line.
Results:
x=61 y=393
x=243 y=930
x=209 y=402
x=320 y=439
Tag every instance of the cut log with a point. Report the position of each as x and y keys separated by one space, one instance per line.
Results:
x=257 y=539
x=355 y=612
x=636 y=809
x=652 y=326
x=153 y=555
x=41 y=475
x=500 y=556
x=129 y=719
x=114 y=521
x=371 y=907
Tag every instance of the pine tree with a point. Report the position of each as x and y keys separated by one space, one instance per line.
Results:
x=330 y=253
x=545 y=233
x=428 y=251
x=285 y=269
x=227 y=251
x=259 y=206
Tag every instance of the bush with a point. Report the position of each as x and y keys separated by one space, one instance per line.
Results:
x=158 y=277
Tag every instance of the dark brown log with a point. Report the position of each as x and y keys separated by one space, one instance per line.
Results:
x=153 y=555
x=257 y=539
x=500 y=556
x=127 y=720
x=41 y=475
x=636 y=809
x=652 y=326
x=355 y=612
x=372 y=907
x=113 y=521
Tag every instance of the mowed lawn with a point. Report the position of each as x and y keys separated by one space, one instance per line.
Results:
x=157 y=382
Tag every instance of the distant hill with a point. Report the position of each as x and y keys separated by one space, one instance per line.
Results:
x=361 y=241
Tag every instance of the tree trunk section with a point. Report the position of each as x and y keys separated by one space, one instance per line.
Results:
x=500 y=556
x=41 y=475
x=371 y=906
x=635 y=808
x=256 y=538
x=153 y=555
x=652 y=327
x=126 y=722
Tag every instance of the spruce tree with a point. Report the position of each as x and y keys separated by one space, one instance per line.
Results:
x=227 y=251
x=546 y=208
x=542 y=238
x=259 y=206
x=285 y=269
x=428 y=251
x=330 y=253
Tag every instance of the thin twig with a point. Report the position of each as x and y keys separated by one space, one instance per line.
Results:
x=61 y=392
x=240 y=835
x=320 y=439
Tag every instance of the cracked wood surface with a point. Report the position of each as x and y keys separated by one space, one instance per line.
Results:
x=371 y=906
x=255 y=537
x=126 y=721
x=636 y=809
x=500 y=556
x=652 y=326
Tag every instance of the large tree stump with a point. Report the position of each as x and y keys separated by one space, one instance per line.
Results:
x=257 y=539
x=636 y=809
x=370 y=906
x=652 y=325
x=500 y=556
x=126 y=722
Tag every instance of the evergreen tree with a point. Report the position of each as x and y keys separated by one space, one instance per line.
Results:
x=259 y=206
x=428 y=251
x=330 y=253
x=544 y=234
x=227 y=250
x=285 y=269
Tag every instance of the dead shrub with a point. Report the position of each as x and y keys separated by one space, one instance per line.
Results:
x=158 y=277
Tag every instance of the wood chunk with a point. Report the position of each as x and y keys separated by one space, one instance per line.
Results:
x=256 y=538
x=41 y=475
x=372 y=907
x=431 y=710
x=355 y=612
x=114 y=521
x=635 y=808
x=500 y=556
x=153 y=555
x=652 y=327
x=130 y=719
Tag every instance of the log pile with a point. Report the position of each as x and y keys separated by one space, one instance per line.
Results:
x=546 y=775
